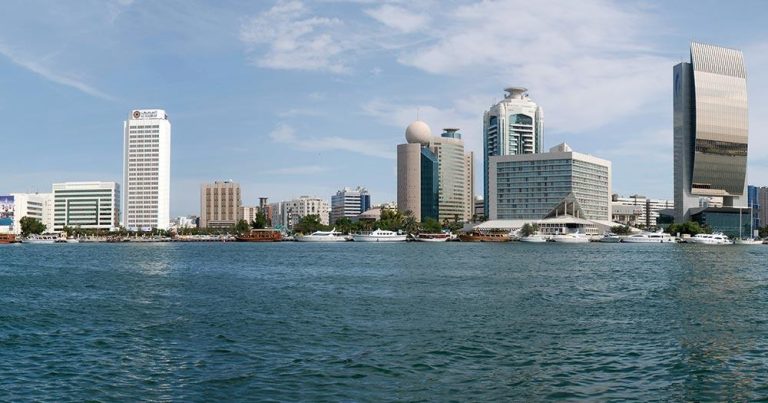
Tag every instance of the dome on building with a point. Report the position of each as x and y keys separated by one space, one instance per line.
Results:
x=418 y=132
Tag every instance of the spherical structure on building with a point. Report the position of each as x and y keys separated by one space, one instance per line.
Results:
x=418 y=132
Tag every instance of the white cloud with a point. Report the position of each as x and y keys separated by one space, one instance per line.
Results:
x=294 y=40
x=399 y=18
x=287 y=135
x=40 y=68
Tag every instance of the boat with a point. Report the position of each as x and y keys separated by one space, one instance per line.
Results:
x=430 y=237
x=7 y=238
x=379 y=235
x=260 y=235
x=486 y=236
x=747 y=241
x=650 y=237
x=41 y=239
x=535 y=238
x=71 y=240
x=323 y=236
x=571 y=237
x=710 y=239
x=610 y=237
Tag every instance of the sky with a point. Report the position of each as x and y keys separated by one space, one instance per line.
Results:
x=299 y=97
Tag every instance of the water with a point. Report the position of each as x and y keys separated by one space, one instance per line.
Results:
x=373 y=322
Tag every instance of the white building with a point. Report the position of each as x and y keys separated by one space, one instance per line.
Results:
x=34 y=205
x=248 y=213
x=648 y=208
x=146 y=170
x=289 y=213
x=455 y=184
x=560 y=182
x=349 y=203
x=511 y=127
x=88 y=205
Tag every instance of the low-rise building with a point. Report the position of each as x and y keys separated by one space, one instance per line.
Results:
x=16 y=206
x=87 y=205
x=219 y=204
x=648 y=208
x=349 y=203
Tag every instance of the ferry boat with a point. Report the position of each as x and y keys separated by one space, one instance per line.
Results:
x=323 y=236
x=260 y=235
x=535 y=238
x=41 y=239
x=7 y=238
x=427 y=237
x=573 y=237
x=650 y=237
x=379 y=235
x=710 y=239
x=486 y=236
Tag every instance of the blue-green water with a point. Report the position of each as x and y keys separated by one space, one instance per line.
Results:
x=364 y=322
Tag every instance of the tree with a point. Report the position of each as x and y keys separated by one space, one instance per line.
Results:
x=691 y=227
x=242 y=227
x=309 y=224
x=529 y=229
x=30 y=225
x=410 y=225
x=259 y=221
x=431 y=226
x=391 y=220
x=621 y=229
x=344 y=225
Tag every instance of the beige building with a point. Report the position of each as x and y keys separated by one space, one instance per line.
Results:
x=454 y=185
x=248 y=213
x=220 y=204
x=409 y=179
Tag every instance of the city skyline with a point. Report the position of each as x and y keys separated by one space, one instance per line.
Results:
x=252 y=102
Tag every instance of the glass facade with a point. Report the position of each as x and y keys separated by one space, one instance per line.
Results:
x=430 y=178
x=725 y=220
x=753 y=201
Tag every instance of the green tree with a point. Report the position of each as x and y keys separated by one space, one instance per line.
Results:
x=763 y=232
x=242 y=227
x=344 y=225
x=30 y=225
x=691 y=228
x=431 y=226
x=391 y=220
x=410 y=225
x=529 y=229
x=259 y=221
x=621 y=229
x=309 y=224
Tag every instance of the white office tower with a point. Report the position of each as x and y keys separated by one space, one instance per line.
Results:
x=146 y=170
x=86 y=205
x=511 y=127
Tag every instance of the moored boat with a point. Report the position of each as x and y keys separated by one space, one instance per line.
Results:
x=748 y=241
x=7 y=238
x=379 y=235
x=610 y=237
x=428 y=237
x=260 y=235
x=323 y=236
x=535 y=238
x=571 y=237
x=41 y=239
x=486 y=236
x=710 y=239
x=650 y=237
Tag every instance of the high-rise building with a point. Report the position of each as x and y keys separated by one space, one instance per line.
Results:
x=511 y=127
x=349 y=203
x=469 y=186
x=710 y=136
x=19 y=205
x=220 y=204
x=560 y=182
x=146 y=170
x=87 y=205
x=452 y=173
x=418 y=173
x=753 y=202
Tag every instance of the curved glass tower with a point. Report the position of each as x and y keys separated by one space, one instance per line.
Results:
x=710 y=129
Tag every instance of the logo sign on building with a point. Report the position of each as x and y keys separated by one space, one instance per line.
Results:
x=149 y=114
x=7 y=209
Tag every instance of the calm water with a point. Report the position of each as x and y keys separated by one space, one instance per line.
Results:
x=364 y=322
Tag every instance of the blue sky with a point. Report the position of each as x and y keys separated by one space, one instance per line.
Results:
x=295 y=98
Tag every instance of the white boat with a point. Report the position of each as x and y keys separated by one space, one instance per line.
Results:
x=379 y=235
x=535 y=238
x=438 y=237
x=573 y=237
x=323 y=236
x=610 y=237
x=41 y=239
x=748 y=241
x=650 y=237
x=72 y=240
x=710 y=239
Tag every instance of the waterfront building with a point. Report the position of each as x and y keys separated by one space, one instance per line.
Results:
x=418 y=174
x=248 y=213
x=753 y=202
x=710 y=136
x=453 y=186
x=626 y=214
x=349 y=203
x=511 y=127
x=469 y=186
x=146 y=170
x=220 y=204
x=286 y=214
x=559 y=182
x=648 y=208
x=479 y=209
x=87 y=205
x=762 y=201
x=16 y=206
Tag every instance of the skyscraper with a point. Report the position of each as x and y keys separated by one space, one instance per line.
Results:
x=452 y=167
x=220 y=204
x=417 y=173
x=349 y=203
x=710 y=136
x=511 y=127
x=146 y=170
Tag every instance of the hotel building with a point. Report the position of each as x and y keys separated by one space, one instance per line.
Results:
x=349 y=203
x=560 y=182
x=220 y=204
x=146 y=170
x=88 y=205
x=710 y=137
x=511 y=127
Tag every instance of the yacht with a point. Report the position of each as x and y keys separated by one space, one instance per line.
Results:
x=323 y=236
x=650 y=237
x=610 y=237
x=379 y=235
x=535 y=238
x=41 y=238
x=710 y=239
x=748 y=241
x=573 y=237
x=438 y=237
